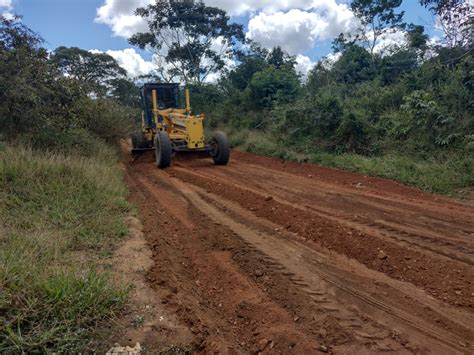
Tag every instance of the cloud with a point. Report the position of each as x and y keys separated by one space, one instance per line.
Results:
x=296 y=26
x=6 y=4
x=5 y=9
x=131 y=61
x=303 y=65
x=390 y=40
x=328 y=61
x=297 y=31
x=118 y=15
x=236 y=8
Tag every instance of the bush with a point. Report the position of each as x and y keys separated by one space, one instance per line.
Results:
x=273 y=85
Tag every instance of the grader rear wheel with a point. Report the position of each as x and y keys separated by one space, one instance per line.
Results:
x=220 y=149
x=162 y=149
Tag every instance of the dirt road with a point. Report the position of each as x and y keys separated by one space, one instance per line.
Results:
x=273 y=257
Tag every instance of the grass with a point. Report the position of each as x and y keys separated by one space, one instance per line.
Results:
x=436 y=175
x=58 y=215
x=432 y=175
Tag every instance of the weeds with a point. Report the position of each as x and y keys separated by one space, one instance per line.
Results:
x=58 y=213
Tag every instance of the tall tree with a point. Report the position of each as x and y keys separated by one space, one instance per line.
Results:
x=96 y=70
x=456 y=19
x=377 y=17
x=191 y=39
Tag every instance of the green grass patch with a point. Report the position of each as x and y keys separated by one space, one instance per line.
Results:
x=442 y=175
x=432 y=175
x=58 y=215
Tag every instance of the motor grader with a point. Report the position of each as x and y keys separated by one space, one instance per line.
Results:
x=168 y=129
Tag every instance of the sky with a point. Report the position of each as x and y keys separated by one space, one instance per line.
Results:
x=304 y=28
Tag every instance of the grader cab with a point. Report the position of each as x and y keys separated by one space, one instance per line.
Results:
x=168 y=129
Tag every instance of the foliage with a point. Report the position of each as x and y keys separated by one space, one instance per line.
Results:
x=40 y=105
x=411 y=106
x=59 y=212
x=379 y=16
x=95 y=70
x=273 y=85
x=53 y=206
x=192 y=39
x=354 y=66
x=456 y=18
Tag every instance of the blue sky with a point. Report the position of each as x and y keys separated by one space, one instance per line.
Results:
x=72 y=23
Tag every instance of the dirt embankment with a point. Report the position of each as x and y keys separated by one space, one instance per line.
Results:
x=265 y=256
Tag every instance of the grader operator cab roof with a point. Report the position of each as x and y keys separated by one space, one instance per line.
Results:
x=168 y=97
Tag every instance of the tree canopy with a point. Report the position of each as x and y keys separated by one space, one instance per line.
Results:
x=191 y=40
x=379 y=16
x=97 y=70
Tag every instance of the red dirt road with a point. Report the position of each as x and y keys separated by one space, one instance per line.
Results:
x=273 y=257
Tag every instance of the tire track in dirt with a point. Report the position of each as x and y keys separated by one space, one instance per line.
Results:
x=299 y=263
x=461 y=250
x=296 y=187
x=242 y=283
x=390 y=191
x=448 y=280
x=221 y=306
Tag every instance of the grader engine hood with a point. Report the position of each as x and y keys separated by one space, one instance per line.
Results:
x=191 y=127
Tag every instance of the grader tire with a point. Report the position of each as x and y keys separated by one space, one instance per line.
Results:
x=138 y=141
x=162 y=149
x=220 y=149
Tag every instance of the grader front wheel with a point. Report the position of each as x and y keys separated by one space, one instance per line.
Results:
x=162 y=149
x=220 y=149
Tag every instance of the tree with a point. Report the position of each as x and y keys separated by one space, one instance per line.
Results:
x=125 y=91
x=26 y=76
x=354 y=66
x=192 y=40
x=96 y=70
x=456 y=19
x=14 y=34
x=378 y=17
x=416 y=37
x=273 y=84
x=279 y=58
x=241 y=75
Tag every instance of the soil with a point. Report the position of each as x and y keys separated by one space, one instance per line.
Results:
x=265 y=256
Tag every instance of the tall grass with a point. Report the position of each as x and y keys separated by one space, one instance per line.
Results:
x=58 y=214
x=440 y=175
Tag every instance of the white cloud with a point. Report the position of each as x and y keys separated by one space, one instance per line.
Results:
x=6 y=3
x=118 y=14
x=329 y=60
x=131 y=61
x=298 y=30
x=251 y=6
x=389 y=41
x=5 y=9
x=303 y=65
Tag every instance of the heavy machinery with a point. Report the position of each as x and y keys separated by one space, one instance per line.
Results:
x=168 y=129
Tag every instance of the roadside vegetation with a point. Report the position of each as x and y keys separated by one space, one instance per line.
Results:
x=59 y=215
x=403 y=112
x=62 y=197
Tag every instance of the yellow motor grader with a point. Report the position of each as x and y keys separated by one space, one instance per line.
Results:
x=168 y=129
